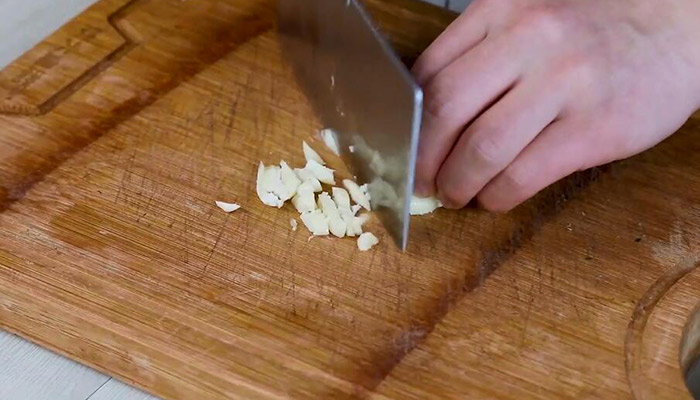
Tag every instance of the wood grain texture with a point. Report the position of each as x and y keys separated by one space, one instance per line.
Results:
x=592 y=308
x=23 y=24
x=115 y=390
x=29 y=372
x=113 y=253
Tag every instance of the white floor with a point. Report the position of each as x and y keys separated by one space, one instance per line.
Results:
x=27 y=371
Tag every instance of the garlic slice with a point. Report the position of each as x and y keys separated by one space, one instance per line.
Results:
x=323 y=174
x=337 y=225
x=305 y=199
x=357 y=194
x=366 y=241
x=424 y=205
x=289 y=179
x=311 y=154
x=293 y=224
x=227 y=207
x=315 y=222
x=269 y=186
x=342 y=200
x=330 y=139
x=307 y=176
x=354 y=224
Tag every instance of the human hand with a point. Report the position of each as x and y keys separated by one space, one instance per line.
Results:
x=521 y=93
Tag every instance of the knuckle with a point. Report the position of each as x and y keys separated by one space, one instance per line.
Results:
x=516 y=181
x=546 y=21
x=439 y=98
x=492 y=204
x=486 y=150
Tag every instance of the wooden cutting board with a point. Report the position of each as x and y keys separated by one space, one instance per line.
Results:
x=121 y=130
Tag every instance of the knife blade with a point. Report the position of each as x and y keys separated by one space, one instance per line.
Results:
x=360 y=89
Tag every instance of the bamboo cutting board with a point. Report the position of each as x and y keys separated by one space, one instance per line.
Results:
x=121 y=130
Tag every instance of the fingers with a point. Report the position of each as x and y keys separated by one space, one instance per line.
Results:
x=462 y=35
x=496 y=138
x=455 y=96
x=562 y=149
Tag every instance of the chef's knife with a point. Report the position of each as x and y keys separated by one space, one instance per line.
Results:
x=360 y=89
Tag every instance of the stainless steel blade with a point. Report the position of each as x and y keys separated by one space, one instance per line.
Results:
x=361 y=90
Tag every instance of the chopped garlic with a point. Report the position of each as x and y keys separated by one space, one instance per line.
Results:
x=357 y=194
x=337 y=225
x=307 y=176
x=331 y=140
x=315 y=222
x=305 y=199
x=354 y=224
x=366 y=241
x=269 y=186
x=326 y=204
x=342 y=200
x=293 y=224
x=310 y=154
x=323 y=174
x=424 y=205
x=289 y=179
x=351 y=148
x=227 y=207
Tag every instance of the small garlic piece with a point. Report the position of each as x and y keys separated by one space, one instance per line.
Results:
x=305 y=199
x=289 y=179
x=366 y=241
x=269 y=186
x=307 y=176
x=331 y=140
x=337 y=225
x=342 y=200
x=357 y=194
x=293 y=224
x=424 y=205
x=323 y=174
x=227 y=207
x=311 y=154
x=354 y=224
x=315 y=222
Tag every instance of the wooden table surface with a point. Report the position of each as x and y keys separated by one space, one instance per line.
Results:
x=119 y=132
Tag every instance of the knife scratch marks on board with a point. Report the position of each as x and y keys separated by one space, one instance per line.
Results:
x=216 y=243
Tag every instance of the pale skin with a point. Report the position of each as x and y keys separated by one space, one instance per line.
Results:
x=522 y=93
